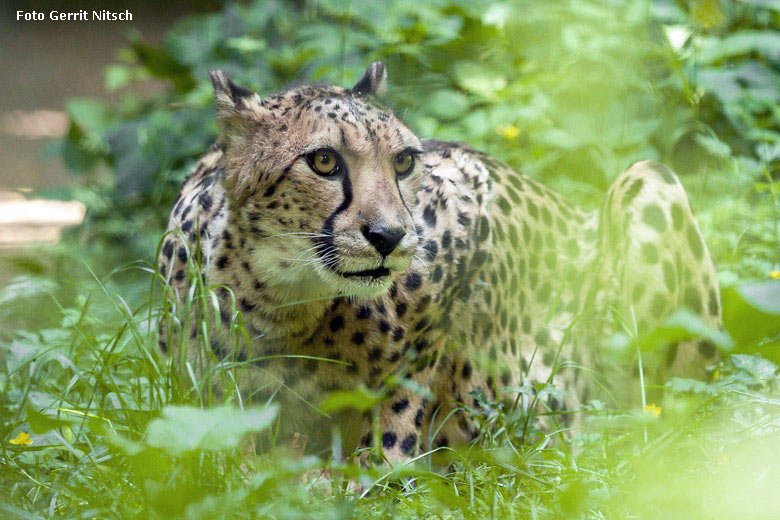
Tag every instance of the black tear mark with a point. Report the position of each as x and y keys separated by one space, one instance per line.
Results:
x=325 y=243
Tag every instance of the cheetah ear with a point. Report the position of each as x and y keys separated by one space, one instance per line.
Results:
x=237 y=107
x=373 y=82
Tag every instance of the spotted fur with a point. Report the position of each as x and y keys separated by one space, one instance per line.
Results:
x=497 y=283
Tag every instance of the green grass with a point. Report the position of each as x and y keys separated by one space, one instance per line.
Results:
x=117 y=431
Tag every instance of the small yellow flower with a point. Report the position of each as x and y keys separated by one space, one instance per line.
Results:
x=716 y=375
x=23 y=439
x=508 y=132
x=774 y=274
x=652 y=410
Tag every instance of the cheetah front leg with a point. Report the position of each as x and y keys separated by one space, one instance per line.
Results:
x=396 y=426
x=655 y=258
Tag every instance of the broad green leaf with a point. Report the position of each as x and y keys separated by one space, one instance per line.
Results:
x=246 y=44
x=759 y=368
x=41 y=422
x=361 y=399
x=497 y=15
x=447 y=104
x=183 y=429
x=479 y=80
x=766 y=43
x=682 y=326
x=116 y=77
x=751 y=314
x=89 y=114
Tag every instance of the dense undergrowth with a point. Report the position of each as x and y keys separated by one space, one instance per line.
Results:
x=94 y=423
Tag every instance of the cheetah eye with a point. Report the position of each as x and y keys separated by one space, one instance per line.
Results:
x=324 y=162
x=403 y=163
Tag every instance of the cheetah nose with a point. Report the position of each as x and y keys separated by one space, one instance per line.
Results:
x=384 y=239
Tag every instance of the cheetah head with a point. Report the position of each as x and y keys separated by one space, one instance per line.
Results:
x=321 y=179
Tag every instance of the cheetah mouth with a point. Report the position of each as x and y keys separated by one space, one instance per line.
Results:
x=378 y=272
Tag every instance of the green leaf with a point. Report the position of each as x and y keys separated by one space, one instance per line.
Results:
x=683 y=325
x=361 y=399
x=497 y=15
x=694 y=386
x=41 y=422
x=479 y=80
x=161 y=64
x=766 y=43
x=447 y=104
x=116 y=77
x=757 y=367
x=246 y=44
x=89 y=114
x=183 y=429
x=751 y=314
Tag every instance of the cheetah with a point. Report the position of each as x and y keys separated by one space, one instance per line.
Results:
x=359 y=255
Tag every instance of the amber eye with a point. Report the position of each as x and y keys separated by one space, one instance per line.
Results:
x=323 y=161
x=403 y=163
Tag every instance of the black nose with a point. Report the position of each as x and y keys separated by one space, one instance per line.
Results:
x=384 y=239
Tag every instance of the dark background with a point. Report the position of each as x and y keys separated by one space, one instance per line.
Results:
x=46 y=63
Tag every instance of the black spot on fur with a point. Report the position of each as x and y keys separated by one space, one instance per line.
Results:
x=669 y=278
x=666 y=174
x=429 y=215
x=694 y=240
x=714 y=305
x=388 y=440
x=707 y=349
x=692 y=299
x=632 y=192
x=413 y=281
x=677 y=216
x=653 y=216
x=400 y=405
x=546 y=216
x=637 y=292
x=484 y=229
x=337 y=323
x=446 y=240
x=542 y=337
x=658 y=305
x=168 y=249
x=375 y=354
x=504 y=205
x=407 y=445
x=431 y=250
x=384 y=326
x=649 y=253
